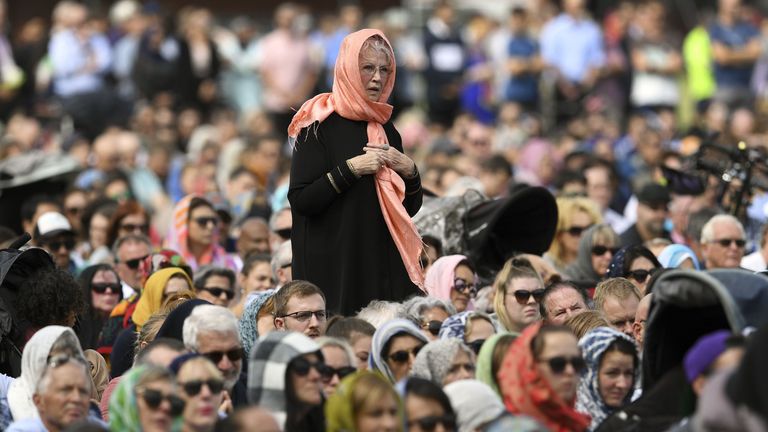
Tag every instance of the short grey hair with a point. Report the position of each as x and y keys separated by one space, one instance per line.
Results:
x=325 y=341
x=708 y=232
x=45 y=378
x=414 y=308
x=378 y=45
x=379 y=312
x=130 y=238
x=208 y=319
x=282 y=256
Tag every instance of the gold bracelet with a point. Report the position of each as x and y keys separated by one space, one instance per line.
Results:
x=351 y=168
x=333 y=182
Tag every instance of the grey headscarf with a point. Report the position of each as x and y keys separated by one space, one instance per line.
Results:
x=434 y=360
x=581 y=270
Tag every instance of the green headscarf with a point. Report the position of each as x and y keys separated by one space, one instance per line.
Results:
x=339 y=409
x=123 y=406
x=484 y=365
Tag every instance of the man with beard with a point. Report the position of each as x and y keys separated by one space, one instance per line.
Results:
x=300 y=307
x=213 y=332
x=652 y=211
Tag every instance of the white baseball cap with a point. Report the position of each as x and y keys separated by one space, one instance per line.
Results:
x=52 y=223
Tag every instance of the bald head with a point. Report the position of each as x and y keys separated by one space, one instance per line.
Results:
x=641 y=315
x=254 y=237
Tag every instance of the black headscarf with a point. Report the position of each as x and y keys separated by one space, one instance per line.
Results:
x=749 y=383
x=174 y=324
x=622 y=261
x=90 y=322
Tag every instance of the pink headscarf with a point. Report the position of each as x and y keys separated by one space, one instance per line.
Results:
x=348 y=98
x=440 y=277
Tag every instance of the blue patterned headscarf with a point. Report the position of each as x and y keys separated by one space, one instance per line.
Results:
x=616 y=268
x=455 y=325
x=249 y=331
x=674 y=255
x=588 y=400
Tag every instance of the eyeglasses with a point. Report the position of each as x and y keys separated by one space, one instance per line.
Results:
x=370 y=70
x=740 y=243
x=522 y=296
x=142 y=228
x=217 y=292
x=55 y=245
x=304 y=316
x=557 y=364
x=193 y=388
x=476 y=345
x=577 y=230
x=328 y=372
x=429 y=423
x=101 y=288
x=204 y=222
x=301 y=366
x=284 y=233
x=154 y=398
x=133 y=264
x=465 y=287
x=402 y=356
x=233 y=355
x=433 y=327
x=599 y=250
x=641 y=275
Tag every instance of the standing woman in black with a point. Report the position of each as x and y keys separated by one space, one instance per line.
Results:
x=352 y=189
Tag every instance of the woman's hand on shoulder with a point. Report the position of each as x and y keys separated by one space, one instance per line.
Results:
x=367 y=163
x=393 y=158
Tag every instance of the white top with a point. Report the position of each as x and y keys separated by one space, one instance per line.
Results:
x=754 y=261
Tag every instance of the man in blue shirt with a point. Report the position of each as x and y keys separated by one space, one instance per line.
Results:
x=735 y=49
x=524 y=62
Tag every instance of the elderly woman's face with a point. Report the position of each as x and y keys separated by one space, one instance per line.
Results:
x=374 y=72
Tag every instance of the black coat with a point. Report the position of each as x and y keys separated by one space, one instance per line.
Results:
x=340 y=240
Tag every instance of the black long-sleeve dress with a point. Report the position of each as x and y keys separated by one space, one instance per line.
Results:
x=340 y=240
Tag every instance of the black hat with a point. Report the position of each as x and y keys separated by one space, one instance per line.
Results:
x=653 y=193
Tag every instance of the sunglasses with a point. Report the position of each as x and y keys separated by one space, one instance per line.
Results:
x=154 y=398
x=55 y=245
x=641 y=275
x=304 y=316
x=557 y=364
x=429 y=423
x=601 y=250
x=328 y=372
x=464 y=287
x=402 y=356
x=233 y=355
x=204 y=222
x=577 y=230
x=193 y=388
x=217 y=292
x=301 y=367
x=475 y=345
x=101 y=288
x=284 y=233
x=522 y=296
x=143 y=228
x=133 y=264
x=433 y=327
x=740 y=243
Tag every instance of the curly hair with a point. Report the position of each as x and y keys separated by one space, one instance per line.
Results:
x=50 y=297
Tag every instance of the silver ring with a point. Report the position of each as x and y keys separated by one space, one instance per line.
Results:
x=386 y=147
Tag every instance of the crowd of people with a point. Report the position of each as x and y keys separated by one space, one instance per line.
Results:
x=235 y=250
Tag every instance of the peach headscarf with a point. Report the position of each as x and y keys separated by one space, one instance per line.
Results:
x=348 y=98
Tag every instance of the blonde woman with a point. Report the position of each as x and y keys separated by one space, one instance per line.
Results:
x=519 y=290
x=575 y=215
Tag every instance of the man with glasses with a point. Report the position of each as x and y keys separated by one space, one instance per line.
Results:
x=129 y=251
x=300 y=307
x=213 y=332
x=216 y=285
x=722 y=242
x=618 y=300
x=54 y=234
x=280 y=224
x=62 y=396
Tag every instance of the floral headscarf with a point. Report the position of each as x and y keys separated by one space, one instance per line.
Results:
x=526 y=391
x=588 y=400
